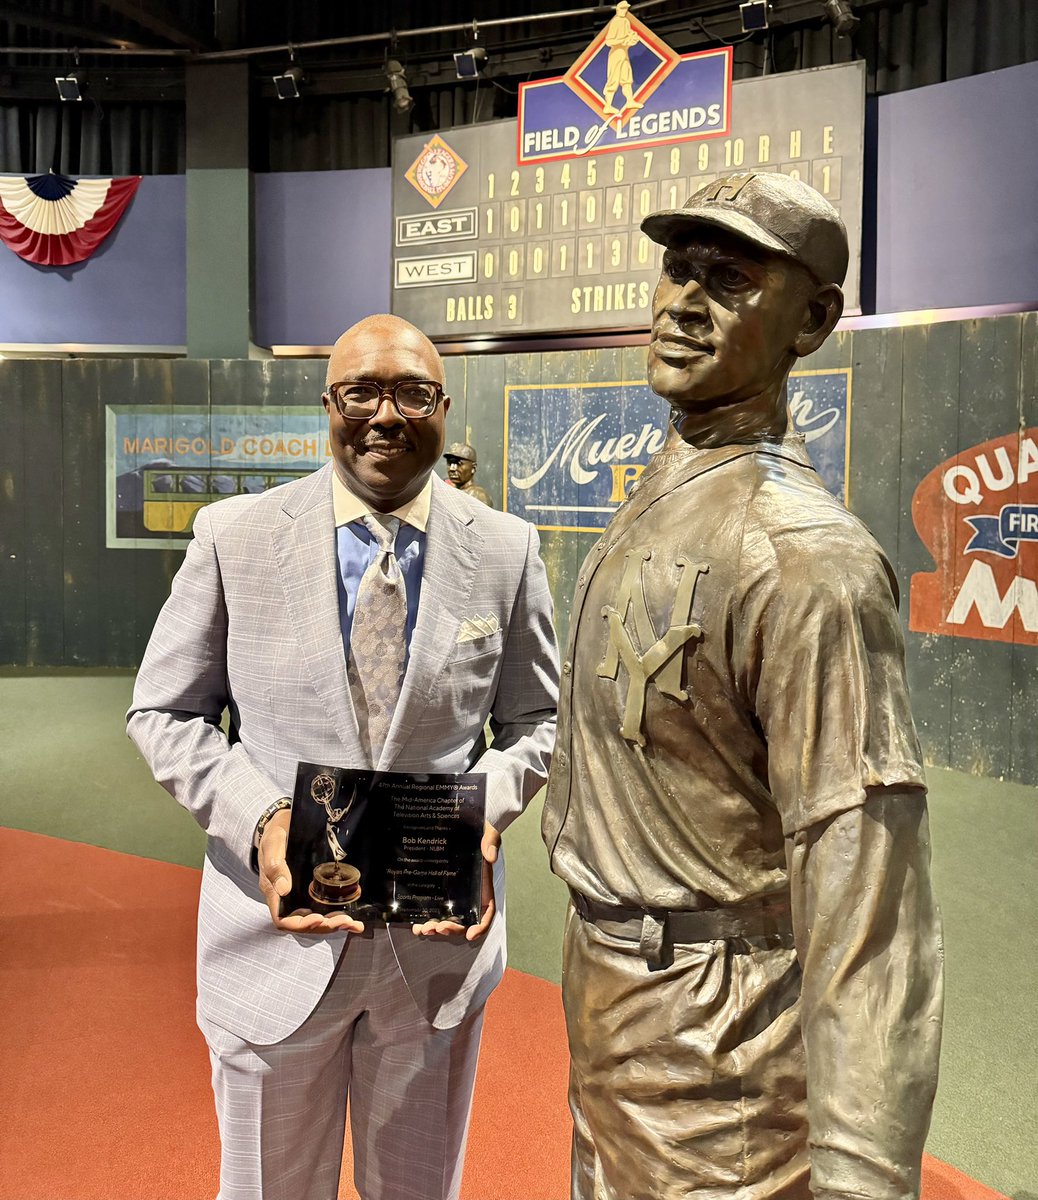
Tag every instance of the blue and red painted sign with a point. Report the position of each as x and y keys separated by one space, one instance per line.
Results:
x=977 y=514
x=627 y=89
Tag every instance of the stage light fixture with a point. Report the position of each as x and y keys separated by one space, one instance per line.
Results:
x=839 y=15
x=402 y=98
x=469 y=63
x=70 y=87
x=754 y=15
x=288 y=83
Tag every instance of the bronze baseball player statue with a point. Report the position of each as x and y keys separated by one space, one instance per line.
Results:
x=752 y=970
x=461 y=469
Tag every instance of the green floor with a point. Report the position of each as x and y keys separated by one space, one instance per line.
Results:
x=68 y=770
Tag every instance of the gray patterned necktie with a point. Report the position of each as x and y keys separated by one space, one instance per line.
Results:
x=378 y=646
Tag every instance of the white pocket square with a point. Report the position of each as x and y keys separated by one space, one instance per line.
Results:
x=473 y=628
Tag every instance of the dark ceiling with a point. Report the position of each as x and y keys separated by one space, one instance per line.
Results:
x=137 y=55
x=205 y=26
x=136 y=49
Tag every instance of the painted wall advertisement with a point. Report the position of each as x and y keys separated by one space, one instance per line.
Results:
x=977 y=514
x=573 y=451
x=163 y=465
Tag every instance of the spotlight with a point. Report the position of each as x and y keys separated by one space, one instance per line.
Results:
x=754 y=15
x=70 y=86
x=469 y=63
x=287 y=84
x=839 y=15
x=402 y=99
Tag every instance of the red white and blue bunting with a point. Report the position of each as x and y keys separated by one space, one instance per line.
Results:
x=53 y=221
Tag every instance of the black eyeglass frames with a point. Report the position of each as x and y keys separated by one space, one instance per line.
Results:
x=358 y=399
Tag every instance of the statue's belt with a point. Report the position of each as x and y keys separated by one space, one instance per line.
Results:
x=658 y=931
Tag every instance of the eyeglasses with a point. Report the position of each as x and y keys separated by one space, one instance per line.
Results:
x=359 y=399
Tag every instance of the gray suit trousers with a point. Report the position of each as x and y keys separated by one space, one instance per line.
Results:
x=282 y=1108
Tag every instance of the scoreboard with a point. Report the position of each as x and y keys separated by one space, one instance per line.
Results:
x=484 y=247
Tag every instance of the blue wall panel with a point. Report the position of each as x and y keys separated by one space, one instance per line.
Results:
x=322 y=253
x=130 y=292
x=956 y=181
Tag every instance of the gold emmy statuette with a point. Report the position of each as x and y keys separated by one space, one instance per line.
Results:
x=335 y=884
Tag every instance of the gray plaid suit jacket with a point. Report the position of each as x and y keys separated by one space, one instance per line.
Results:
x=252 y=626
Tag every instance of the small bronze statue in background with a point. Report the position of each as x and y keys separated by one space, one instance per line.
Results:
x=752 y=969
x=461 y=469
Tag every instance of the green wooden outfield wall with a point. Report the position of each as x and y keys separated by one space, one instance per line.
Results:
x=925 y=402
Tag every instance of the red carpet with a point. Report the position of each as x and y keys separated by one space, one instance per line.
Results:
x=106 y=1078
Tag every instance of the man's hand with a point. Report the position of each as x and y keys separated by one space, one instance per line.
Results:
x=276 y=881
x=489 y=847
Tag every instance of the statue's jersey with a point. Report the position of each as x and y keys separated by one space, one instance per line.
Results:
x=735 y=674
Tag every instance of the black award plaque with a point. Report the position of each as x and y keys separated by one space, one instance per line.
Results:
x=388 y=846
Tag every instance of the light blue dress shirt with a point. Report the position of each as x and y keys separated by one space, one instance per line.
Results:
x=356 y=549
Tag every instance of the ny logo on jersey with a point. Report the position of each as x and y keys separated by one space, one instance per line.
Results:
x=660 y=659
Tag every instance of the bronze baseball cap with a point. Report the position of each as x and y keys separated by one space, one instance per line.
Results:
x=460 y=450
x=771 y=210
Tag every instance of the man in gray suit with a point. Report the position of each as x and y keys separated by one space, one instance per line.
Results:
x=302 y=1010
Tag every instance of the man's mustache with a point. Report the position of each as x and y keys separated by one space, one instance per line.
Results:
x=376 y=440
